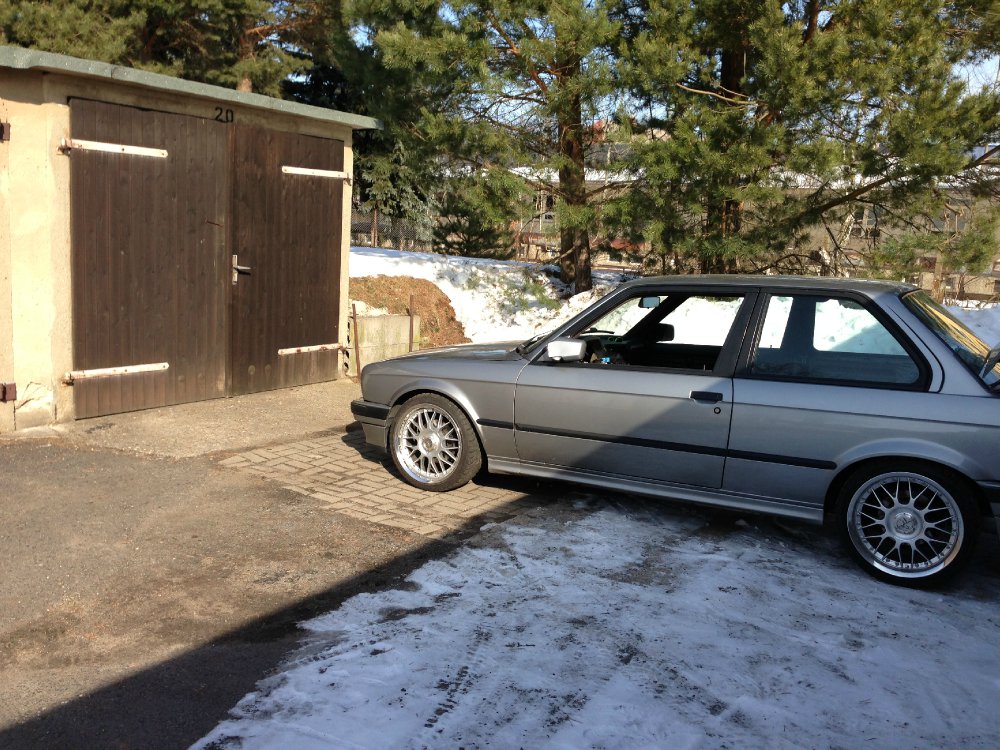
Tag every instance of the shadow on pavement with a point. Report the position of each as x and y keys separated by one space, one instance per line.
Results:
x=180 y=700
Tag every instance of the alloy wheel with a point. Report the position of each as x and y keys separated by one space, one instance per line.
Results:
x=905 y=525
x=428 y=444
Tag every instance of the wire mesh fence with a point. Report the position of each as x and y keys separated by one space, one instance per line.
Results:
x=375 y=230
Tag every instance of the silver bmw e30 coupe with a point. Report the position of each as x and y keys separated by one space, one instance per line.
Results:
x=857 y=401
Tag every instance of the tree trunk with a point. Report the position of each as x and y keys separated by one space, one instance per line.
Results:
x=574 y=238
x=725 y=215
x=725 y=218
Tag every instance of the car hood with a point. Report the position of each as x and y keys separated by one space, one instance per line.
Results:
x=495 y=351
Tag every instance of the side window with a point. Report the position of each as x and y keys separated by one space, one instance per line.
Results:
x=842 y=325
x=807 y=337
x=682 y=331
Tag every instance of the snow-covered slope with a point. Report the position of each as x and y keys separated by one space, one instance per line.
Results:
x=493 y=300
x=507 y=301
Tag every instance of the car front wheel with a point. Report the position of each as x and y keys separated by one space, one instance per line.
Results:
x=907 y=524
x=433 y=445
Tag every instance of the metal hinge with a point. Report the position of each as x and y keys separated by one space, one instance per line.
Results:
x=328 y=173
x=107 y=372
x=69 y=144
x=309 y=349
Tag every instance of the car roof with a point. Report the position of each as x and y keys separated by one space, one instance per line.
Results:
x=869 y=287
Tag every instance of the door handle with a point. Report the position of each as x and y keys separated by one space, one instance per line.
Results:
x=710 y=396
x=238 y=269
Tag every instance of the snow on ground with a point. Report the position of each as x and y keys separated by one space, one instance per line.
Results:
x=630 y=624
x=510 y=301
x=984 y=321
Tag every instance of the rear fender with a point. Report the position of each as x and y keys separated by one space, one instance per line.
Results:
x=924 y=450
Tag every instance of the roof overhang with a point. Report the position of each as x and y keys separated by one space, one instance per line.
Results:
x=18 y=58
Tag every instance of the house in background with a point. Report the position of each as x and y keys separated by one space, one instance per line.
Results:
x=163 y=241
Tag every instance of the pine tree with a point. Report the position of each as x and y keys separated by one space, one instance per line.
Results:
x=765 y=120
x=514 y=88
x=244 y=44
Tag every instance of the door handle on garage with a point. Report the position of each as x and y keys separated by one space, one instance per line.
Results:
x=238 y=269
x=710 y=396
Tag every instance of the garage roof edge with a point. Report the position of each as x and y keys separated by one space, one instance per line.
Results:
x=19 y=58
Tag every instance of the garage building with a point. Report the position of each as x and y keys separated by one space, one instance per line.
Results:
x=163 y=241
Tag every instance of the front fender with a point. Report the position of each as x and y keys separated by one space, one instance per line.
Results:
x=489 y=405
x=434 y=385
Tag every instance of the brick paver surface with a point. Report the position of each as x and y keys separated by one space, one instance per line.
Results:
x=355 y=479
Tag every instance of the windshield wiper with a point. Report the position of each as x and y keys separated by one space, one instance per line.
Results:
x=523 y=346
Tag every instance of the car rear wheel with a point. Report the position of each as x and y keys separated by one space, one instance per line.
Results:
x=908 y=524
x=433 y=445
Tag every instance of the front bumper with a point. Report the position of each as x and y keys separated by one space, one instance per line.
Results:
x=374 y=419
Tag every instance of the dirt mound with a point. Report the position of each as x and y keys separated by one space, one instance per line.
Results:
x=438 y=324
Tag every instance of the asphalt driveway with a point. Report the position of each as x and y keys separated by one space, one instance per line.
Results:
x=148 y=583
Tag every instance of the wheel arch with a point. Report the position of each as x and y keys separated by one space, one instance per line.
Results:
x=452 y=394
x=846 y=471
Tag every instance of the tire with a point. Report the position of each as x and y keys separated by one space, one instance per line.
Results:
x=433 y=445
x=907 y=523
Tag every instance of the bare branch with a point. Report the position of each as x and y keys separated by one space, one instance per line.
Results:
x=516 y=51
x=744 y=102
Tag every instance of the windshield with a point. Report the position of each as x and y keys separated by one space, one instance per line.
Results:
x=972 y=350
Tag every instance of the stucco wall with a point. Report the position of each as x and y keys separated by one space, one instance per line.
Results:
x=35 y=281
x=34 y=196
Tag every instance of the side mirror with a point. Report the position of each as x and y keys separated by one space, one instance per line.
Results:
x=566 y=350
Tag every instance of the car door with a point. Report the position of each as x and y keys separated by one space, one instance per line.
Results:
x=653 y=401
x=825 y=375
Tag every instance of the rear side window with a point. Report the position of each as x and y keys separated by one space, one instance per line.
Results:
x=968 y=347
x=830 y=339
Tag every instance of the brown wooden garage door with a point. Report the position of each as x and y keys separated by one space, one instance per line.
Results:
x=287 y=232
x=156 y=227
x=149 y=257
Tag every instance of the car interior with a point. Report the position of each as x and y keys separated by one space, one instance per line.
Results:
x=649 y=342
